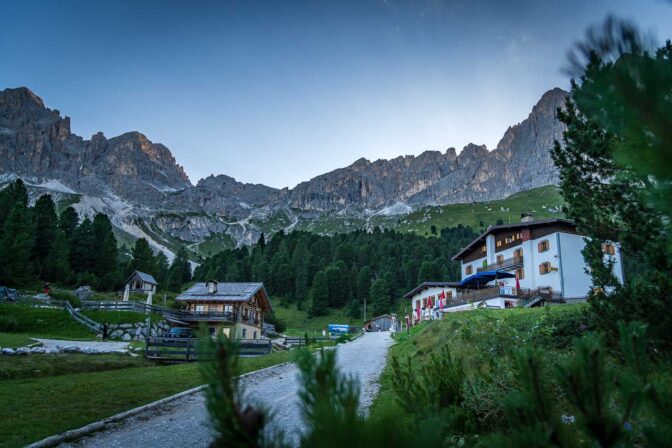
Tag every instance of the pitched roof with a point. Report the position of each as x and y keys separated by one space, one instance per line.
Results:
x=145 y=277
x=426 y=285
x=518 y=225
x=226 y=292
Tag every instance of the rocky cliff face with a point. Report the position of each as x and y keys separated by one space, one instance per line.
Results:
x=137 y=180
x=36 y=143
x=521 y=161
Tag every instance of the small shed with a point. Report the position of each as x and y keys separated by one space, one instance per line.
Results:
x=141 y=282
x=386 y=322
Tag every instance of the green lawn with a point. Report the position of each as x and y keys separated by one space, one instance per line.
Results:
x=298 y=322
x=53 y=323
x=35 y=408
x=34 y=366
x=14 y=340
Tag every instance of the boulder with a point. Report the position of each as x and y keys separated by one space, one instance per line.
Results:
x=23 y=351
x=126 y=337
x=71 y=349
x=83 y=293
x=90 y=351
x=38 y=350
x=8 y=351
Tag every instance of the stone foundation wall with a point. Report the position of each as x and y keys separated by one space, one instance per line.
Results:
x=128 y=332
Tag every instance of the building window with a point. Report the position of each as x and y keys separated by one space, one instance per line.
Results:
x=543 y=246
x=499 y=243
x=520 y=273
x=255 y=335
x=518 y=256
x=609 y=249
x=483 y=249
x=545 y=268
x=449 y=294
x=200 y=308
x=244 y=332
x=500 y=260
x=469 y=270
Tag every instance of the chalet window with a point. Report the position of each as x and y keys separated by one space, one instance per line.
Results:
x=518 y=255
x=244 y=333
x=499 y=243
x=545 y=268
x=500 y=260
x=543 y=246
x=520 y=273
x=449 y=294
x=200 y=308
x=228 y=308
x=483 y=249
x=519 y=236
x=469 y=270
x=609 y=249
x=255 y=335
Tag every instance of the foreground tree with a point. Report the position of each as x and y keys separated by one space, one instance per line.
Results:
x=608 y=192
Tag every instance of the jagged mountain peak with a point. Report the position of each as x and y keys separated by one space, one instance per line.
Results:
x=23 y=94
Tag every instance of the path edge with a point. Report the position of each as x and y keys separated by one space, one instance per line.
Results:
x=99 y=425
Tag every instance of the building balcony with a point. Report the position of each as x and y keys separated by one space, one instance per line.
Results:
x=205 y=316
x=507 y=264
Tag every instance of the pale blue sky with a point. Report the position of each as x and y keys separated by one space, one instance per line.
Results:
x=278 y=92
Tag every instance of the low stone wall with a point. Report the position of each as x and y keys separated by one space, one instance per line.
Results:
x=129 y=332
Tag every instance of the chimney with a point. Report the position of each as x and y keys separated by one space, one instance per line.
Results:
x=526 y=217
x=212 y=286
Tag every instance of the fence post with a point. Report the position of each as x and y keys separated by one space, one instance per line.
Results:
x=146 y=346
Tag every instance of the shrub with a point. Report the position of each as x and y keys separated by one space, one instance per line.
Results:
x=66 y=296
x=9 y=324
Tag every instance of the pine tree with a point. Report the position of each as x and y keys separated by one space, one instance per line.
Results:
x=162 y=268
x=45 y=225
x=82 y=250
x=319 y=295
x=14 y=193
x=180 y=270
x=142 y=257
x=68 y=222
x=58 y=266
x=381 y=300
x=106 y=265
x=16 y=246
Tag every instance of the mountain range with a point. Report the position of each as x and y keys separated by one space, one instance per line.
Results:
x=148 y=194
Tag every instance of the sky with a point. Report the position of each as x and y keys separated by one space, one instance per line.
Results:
x=279 y=92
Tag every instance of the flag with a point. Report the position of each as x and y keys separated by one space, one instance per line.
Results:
x=441 y=297
x=517 y=283
x=429 y=302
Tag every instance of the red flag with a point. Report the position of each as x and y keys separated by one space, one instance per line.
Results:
x=429 y=302
x=441 y=297
x=517 y=284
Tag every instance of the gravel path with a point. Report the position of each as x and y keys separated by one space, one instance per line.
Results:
x=184 y=422
x=54 y=345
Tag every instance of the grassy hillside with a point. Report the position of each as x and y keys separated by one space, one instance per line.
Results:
x=298 y=321
x=543 y=202
x=41 y=322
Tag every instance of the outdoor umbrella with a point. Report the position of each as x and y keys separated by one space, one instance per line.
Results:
x=483 y=278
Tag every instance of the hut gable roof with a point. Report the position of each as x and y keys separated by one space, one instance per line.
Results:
x=228 y=292
x=143 y=276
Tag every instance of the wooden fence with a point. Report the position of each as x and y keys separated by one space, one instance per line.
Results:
x=82 y=319
x=186 y=349
x=301 y=341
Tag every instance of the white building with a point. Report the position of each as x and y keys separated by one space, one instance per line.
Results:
x=543 y=255
x=430 y=292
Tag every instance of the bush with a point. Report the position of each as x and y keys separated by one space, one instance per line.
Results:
x=66 y=296
x=9 y=324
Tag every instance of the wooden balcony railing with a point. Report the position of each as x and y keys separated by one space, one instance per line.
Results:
x=509 y=263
